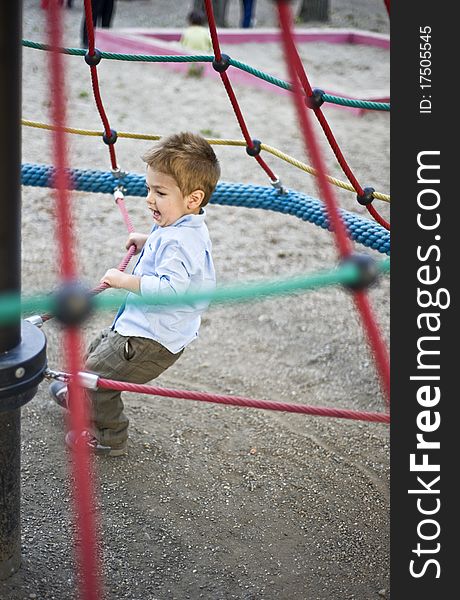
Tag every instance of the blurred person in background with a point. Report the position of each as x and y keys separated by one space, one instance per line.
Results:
x=103 y=11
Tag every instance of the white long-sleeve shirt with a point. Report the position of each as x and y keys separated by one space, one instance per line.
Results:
x=175 y=259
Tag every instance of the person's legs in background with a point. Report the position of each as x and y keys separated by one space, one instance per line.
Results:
x=106 y=13
x=96 y=9
x=248 y=7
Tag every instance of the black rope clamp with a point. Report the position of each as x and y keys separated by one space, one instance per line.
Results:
x=367 y=270
x=221 y=65
x=112 y=139
x=316 y=99
x=255 y=149
x=367 y=197
x=73 y=303
x=93 y=59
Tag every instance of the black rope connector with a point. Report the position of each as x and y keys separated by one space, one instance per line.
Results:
x=316 y=98
x=221 y=65
x=112 y=139
x=367 y=269
x=93 y=59
x=255 y=149
x=367 y=197
x=73 y=303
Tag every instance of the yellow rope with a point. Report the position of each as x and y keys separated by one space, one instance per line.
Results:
x=214 y=142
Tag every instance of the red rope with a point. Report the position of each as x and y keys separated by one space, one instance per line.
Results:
x=343 y=243
x=229 y=89
x=98 y=99
x=95 y=81
x=371 y=209
x=123 y=386
x=376 y=343
x=312 y=148
x=346 y=167
x=236 y=108
x=337 y=152
x=213 y=30
x=89 y=26
x=305 y=83
x=83 y=490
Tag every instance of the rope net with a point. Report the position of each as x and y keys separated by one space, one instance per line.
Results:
x=89 y=568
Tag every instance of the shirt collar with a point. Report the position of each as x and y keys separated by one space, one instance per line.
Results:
x=190 y=220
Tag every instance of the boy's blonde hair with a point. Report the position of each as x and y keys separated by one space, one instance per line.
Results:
x=189 y=160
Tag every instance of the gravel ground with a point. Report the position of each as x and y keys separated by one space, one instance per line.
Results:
x=218 y=502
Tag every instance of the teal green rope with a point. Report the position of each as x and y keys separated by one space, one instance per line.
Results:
x=356 y=103
x=11 y=304
x=205 y=58
x=261 y=75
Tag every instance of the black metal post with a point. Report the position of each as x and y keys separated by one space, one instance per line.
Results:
x=10 y=159
x=22 y=346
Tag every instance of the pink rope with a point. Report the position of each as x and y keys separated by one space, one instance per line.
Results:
x=123 y=386
x=125 y=261
x=120 y=200
x=121 y=267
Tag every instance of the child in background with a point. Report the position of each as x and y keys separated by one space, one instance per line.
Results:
x=175 y=257
x=196 y=37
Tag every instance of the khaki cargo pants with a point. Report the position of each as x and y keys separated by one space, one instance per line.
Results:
x=132 y=359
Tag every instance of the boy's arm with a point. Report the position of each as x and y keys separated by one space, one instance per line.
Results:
x=117 y=279
x=173 y=265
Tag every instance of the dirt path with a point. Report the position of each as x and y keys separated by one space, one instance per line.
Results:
x=212 y=502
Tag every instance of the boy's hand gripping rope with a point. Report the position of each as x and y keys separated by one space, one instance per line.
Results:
x=71 y=304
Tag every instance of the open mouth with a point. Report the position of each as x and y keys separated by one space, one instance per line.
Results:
x=156 y=214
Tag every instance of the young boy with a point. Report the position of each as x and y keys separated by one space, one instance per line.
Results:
x=143 y=341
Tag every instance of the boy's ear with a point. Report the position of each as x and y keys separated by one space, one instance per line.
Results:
x=195 y=199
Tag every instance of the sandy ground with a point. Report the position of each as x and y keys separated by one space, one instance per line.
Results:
x=213 y=502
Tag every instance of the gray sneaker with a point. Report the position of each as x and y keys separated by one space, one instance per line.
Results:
x=73 y=439
x=58 y=392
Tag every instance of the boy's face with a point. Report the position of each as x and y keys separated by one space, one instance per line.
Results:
x=165 y=200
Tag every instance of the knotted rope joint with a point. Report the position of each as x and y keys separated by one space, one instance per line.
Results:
x=367 y=197
x=255 y=149
x=93 y=59
x=221 y=65
x=367 y=271
x=316 y=99
x=73 y=303
x=110 y=140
